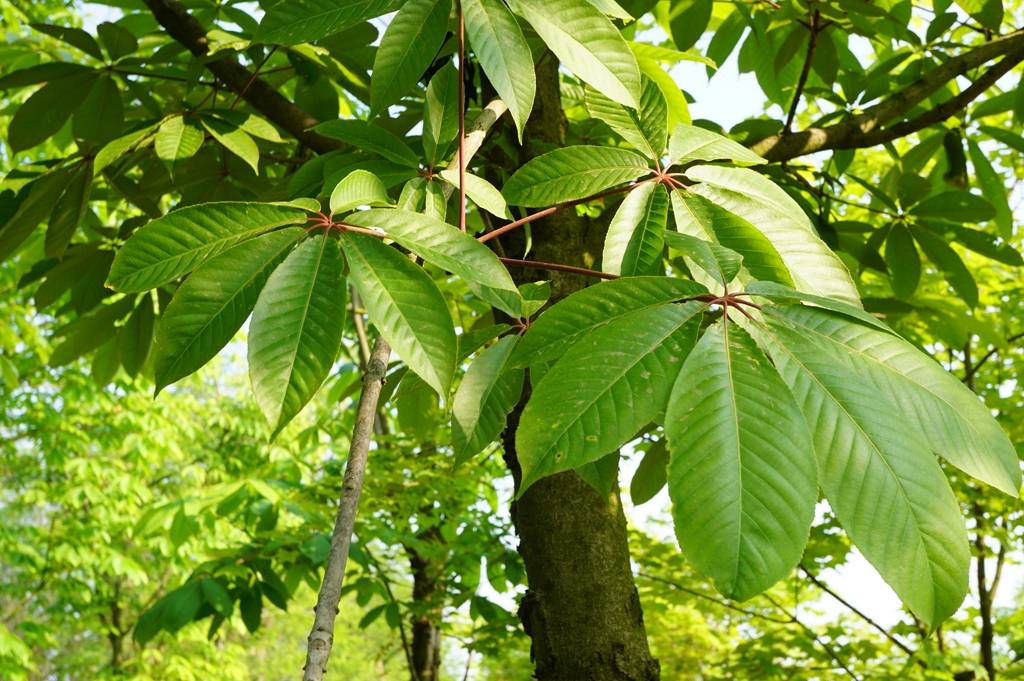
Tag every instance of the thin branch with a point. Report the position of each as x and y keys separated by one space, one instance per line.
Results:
x=717 y=601
x=814 y=636
x=969 y=374
x=555 y=267
x=866 y=129
x=804 y=72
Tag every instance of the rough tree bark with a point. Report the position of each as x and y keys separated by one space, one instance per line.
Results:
x=426 y=633
x=582 y=611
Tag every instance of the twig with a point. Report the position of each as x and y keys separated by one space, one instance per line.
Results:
x=804 y=72
x=555 y=267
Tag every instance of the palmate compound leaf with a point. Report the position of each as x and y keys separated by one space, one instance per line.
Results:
x=741 y=473
x=406 y=307
x=605 y=388
x=504 y=55
x=441 y=244
x=636 y=234
x=561 y=326
x=586 y=43
x=484 y=398
x=878 y=474
x=572 y=173
x=945 y=413
x=812 y=265
x=213 y=303
x=178 y=242
x=296 y=328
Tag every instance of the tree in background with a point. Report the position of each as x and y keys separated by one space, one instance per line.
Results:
x=336 y=177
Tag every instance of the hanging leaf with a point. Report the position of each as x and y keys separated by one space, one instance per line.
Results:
x=992 y=188
x=406 y=307
x=75 y=37
x=636 y=234
x=949 y=262
x=117 y=41
x=572 y=173
x=178 y=242
x=690 y=143
x=101 y=116
x=902 y=261
x=68 y=211
x=742 y=474
x=211 y=305
x=646 y=128
x=289 y=23
x=955 y=206
x=575 y=414
x=372 y=138
x=688 y=19
x=586 y=43
x=651 y=475
x=441 y=113
x=296 y=329
x=504 y=55
x=481 y=192
x=44 y=113
x=484 y=398
x=406 y=49
x=136 y=336
x=720 y=262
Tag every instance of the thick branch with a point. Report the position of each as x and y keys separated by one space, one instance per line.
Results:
x=867 y=129
x=181 y=26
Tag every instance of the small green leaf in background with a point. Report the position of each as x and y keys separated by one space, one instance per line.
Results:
x=48 y=109
x=688 y=20
x=136 y=336
x=651 y=475
x=75 y=37
x=296 y=329
x=358 y=188
x=992 y=188
x=117 y=41
x=481 y=192
x=902 y=260
x=407 y=48
x=235 y=140
x=572 y=173
x=372 y=138
x=177 y=138
x=955 y=206
x=68 y=211
x=949 y=263
x=636 y=233
x=101 y=116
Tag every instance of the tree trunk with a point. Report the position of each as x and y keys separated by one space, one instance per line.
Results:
x=426 y=633
x=582 y=611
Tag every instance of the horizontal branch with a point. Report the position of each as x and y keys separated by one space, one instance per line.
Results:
x=555 y=267
x=867 y=129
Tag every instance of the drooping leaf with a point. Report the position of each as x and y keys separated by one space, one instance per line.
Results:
x=677 y=109
x=636 y=233
x=572 y=173
x=586 y=43
x=651 y=475
x=441 y=113
x=561 y=326
x=136 y=337
x=213 y=303
x=289 y=23
x=689 y=143
x=296 y=329
x=177 y=139
x=178 y=242
x=75 y=37
x=699 y=217
x=33 y=208
x=68 y=211
x=949 y=262
x=406 y=307
x=882 y=482
x=902 y=260
x=945 y=413
x=358 y=188
x=406 y=49
x=812 y=265
x=742 y=473
x=720 y=262
x=610 y=383
x=117 y=40
x=484 y=398
x=101 y=116
x=40 y=73
x=481 y=192
x=48 y=109
x=244 y=120
x=646 y=127
x=955 y=206
x=439 y=243
x=235 y=140
x=993 y=189
x=371 y=138
x=688 y=19
x=504 y=55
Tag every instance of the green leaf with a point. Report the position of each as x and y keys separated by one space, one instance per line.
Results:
x=136 y=337
x=651 y=475
x=408 y=47
x=358 y=188
x=677 y=109
x=610 y=383
x=75 y=37
x=180 y=241
x=439 y=243
x=371 y=138
x=296 y=329
x=993 y=189
x=217 y=596
x=124 y=144
x=249 y=122
x=949 y=262
x=47 y=110
x=720 y=262
x=902 y=261
x=289 y=23
x=688 y=20
x=213 y=303
x=250 y=603
x=812 y=265
x=563 y=324
x=177 y=139
x=586 y=43
x=988 y=12
x=406 y=307
x=956 y=207
x=503 y=54
x=636 y=234
x=572 y=173
x=441 y=113
x=235 y=140
x=33 y=209
x=117 y=41
x=68 y=211
x=979 y=241
x=950 y=418
x=435 y=203
x=602 y=475
x=742 y=473
x=645 y=128
x=484 y=398
x=690 y=143
x=40 y=73
x=700 y=218
x=484 y=194
x=882 y=482
x=101 y=116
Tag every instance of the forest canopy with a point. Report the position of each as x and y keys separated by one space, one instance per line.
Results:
x=510 y=339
